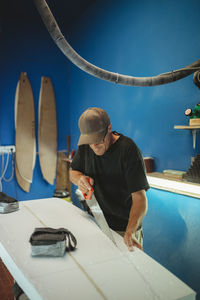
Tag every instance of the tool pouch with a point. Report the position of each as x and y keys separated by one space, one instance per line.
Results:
x=48 y=241
x=8 y=204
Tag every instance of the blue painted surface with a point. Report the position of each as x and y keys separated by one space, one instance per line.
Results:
x=171 y=234
x=31 y=50
x=137 y=38
x=140 y=38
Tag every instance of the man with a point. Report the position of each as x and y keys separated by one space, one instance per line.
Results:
x=113 y=164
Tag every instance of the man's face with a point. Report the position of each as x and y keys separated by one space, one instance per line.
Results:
x=102 y=147
x=99 y=149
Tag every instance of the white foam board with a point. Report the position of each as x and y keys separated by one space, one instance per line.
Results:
x=97 y=269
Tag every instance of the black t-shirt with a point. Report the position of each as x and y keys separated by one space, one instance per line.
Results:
x=117 y=173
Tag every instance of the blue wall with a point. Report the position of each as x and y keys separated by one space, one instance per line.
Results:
x=171 y=234
x=28 y=47
x=137 y=38
x=140 y=38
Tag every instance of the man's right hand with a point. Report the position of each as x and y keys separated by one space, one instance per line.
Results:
x=84 y=183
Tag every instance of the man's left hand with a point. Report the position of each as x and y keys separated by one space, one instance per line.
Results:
x=131 y=241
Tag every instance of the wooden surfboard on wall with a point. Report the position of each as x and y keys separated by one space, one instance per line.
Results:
x=47 y=132
x=25 y=185
x=24 y=132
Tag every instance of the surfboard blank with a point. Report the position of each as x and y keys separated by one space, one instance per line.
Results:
x=25 y=132
x=47 y=135
x=102 y=270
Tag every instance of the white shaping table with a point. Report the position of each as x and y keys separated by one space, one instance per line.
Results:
x=96 y=270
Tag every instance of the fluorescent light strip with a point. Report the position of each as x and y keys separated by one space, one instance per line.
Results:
x=184 y=188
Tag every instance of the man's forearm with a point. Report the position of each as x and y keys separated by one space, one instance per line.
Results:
x=138 y=211
x=136 y=215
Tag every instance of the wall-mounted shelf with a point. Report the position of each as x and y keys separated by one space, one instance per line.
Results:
x=191 y=127
x=175 y=185
x=194 y=129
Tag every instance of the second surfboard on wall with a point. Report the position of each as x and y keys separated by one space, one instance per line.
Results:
x=25 y=132
x=47 y=131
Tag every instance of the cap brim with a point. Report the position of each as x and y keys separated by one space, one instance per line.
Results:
x=94 y=138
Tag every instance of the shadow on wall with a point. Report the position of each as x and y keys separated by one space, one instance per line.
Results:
x=170 y=235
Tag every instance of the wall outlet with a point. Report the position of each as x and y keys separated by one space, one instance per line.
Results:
x=7 y=149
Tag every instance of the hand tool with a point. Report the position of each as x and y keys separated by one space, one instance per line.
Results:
x=97 y=213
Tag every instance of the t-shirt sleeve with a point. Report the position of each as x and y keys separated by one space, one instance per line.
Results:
x=77 y=162
x=135 y=173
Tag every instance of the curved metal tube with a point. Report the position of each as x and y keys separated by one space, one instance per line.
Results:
x=84 y=65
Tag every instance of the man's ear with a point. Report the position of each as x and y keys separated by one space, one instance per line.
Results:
x=110 y=128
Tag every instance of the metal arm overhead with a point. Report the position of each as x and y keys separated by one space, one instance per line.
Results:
x=86 y=66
